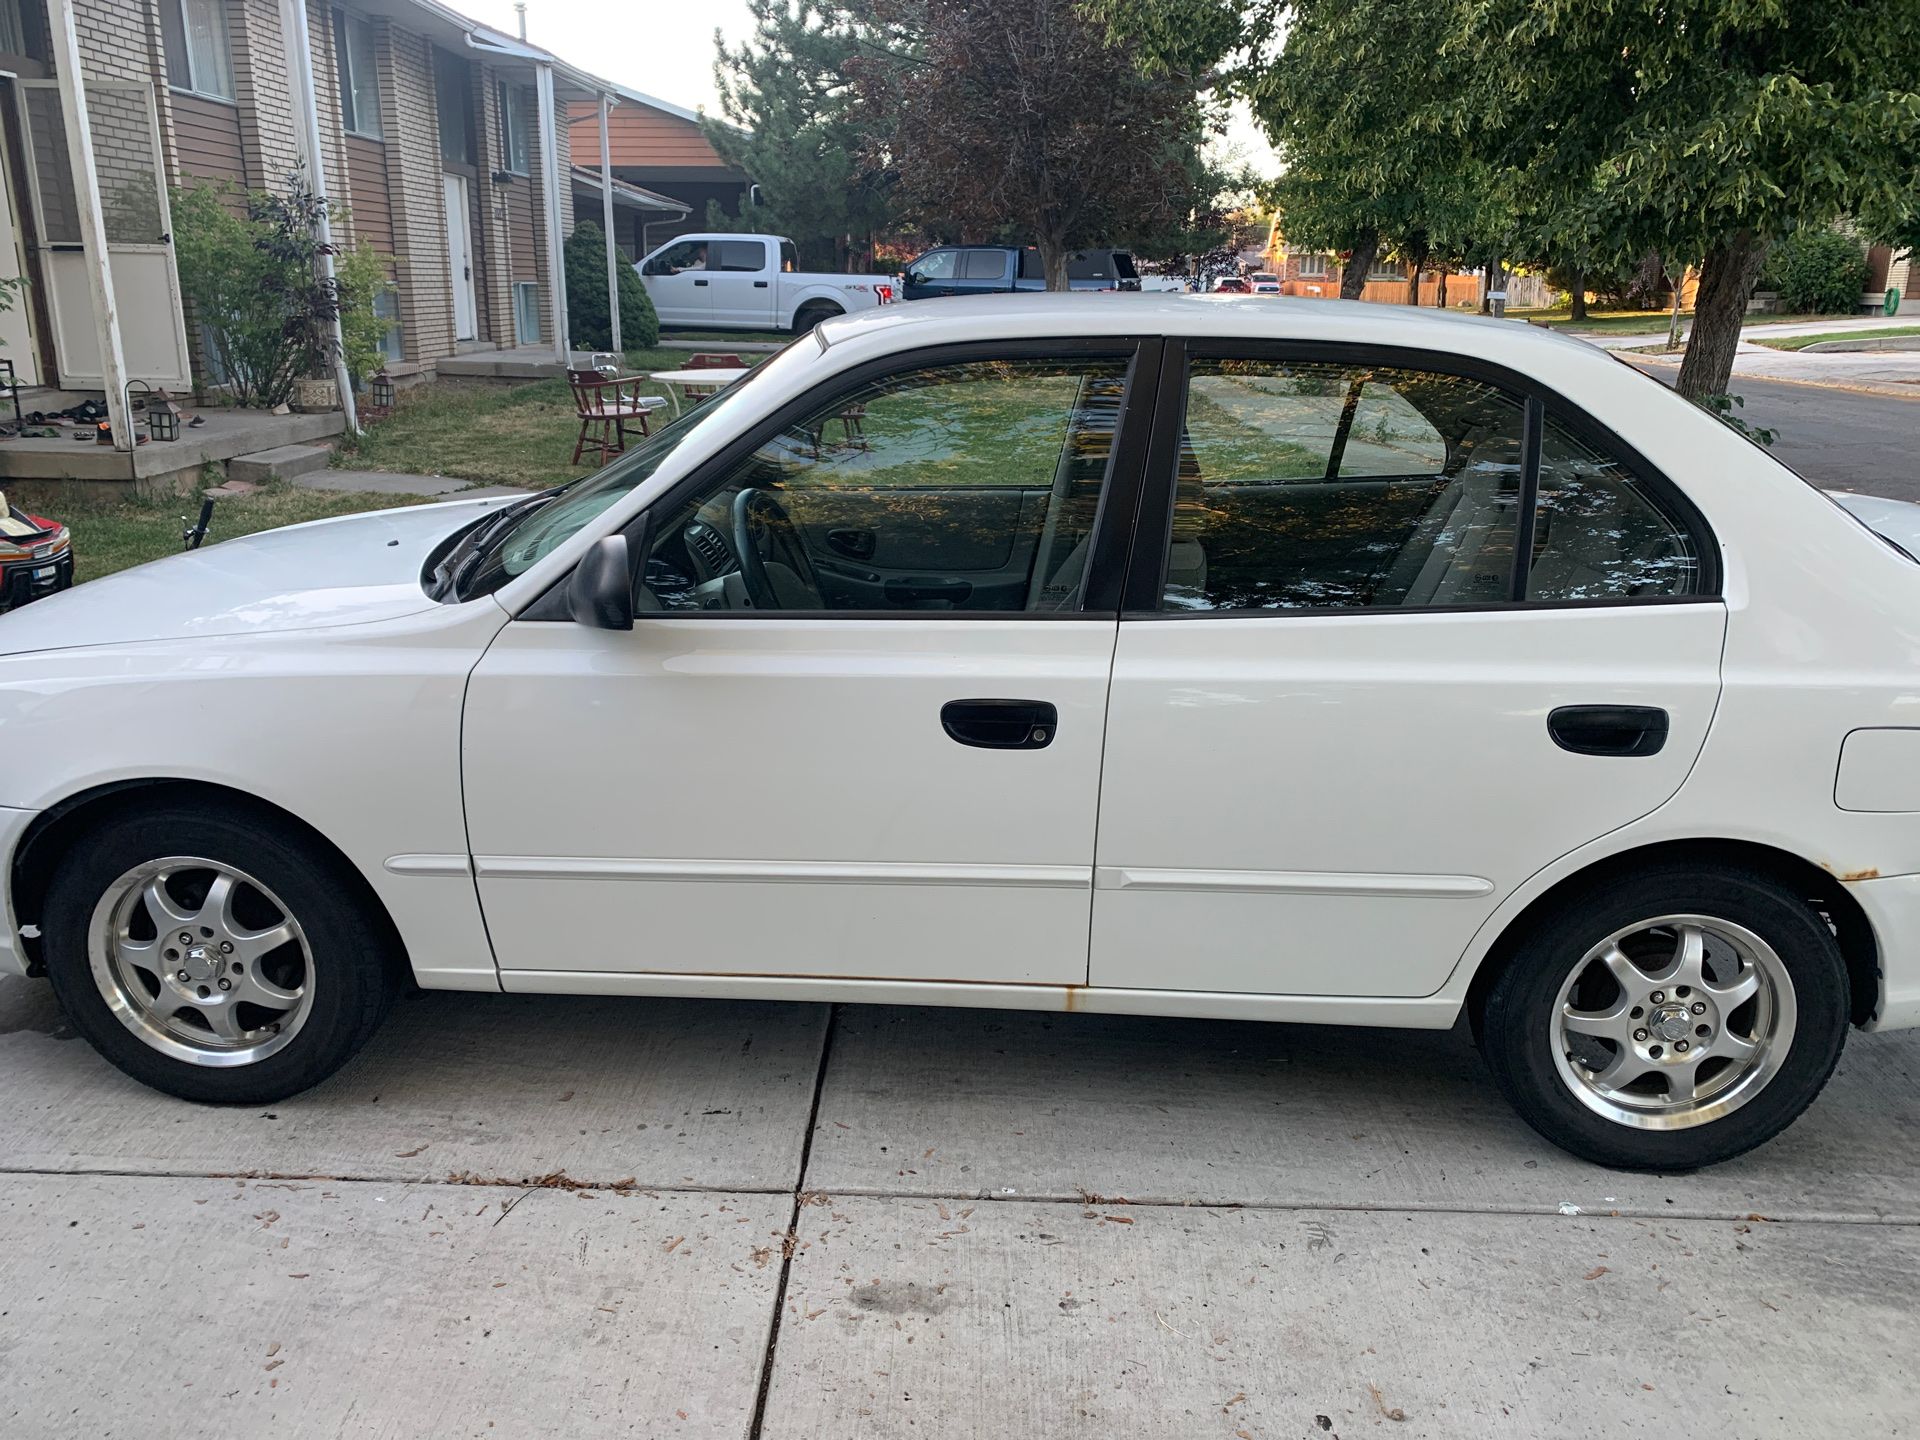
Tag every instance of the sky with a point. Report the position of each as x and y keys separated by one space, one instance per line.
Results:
x=665 y=50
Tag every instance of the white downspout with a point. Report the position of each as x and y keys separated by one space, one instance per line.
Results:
x=550 y=183
x=306 y=135
x=614 y=261
x=93 y=225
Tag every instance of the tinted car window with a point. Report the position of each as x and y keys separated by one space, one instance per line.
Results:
x=956 y=487
x=1597 y=532
x=983 y=264
x=1315 y=486
x=738 y=255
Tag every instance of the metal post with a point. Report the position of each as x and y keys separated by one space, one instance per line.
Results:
x=93 y=225
x=614 y=260
x=306 y=136
x=550 y=122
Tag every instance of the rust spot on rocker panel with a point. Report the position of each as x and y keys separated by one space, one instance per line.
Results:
x=1869 y=873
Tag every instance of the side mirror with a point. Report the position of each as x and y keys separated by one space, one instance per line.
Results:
x=601 y=591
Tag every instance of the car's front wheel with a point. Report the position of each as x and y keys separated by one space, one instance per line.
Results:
x=1670 y=1020
x=215 y=955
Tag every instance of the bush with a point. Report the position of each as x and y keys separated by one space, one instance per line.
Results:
x=587 y=296
x=254 y=283
x=363 y=275
x=1817 y=271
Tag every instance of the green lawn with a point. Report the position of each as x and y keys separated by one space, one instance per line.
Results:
x=1600 y=322
x=492 y=434
x=1800 y=342
x=112 y=533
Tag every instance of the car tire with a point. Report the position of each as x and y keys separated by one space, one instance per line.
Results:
x=1688 y=1054
x=810 y=316
x=238 y=993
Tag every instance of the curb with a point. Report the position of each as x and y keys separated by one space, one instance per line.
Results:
x=1857 y=387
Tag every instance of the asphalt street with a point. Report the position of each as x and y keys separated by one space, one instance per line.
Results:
x=1839 y=439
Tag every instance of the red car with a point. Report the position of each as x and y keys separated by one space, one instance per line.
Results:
x=1231 y=285
x=36 y=556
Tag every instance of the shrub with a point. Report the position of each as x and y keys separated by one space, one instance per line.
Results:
x=363 y=275
x=254 y=282
x=587 y=319
x=1819 y=271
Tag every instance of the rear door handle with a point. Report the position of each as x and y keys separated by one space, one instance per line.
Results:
x=1609 y=729
x=701 y=283
x=1000 y=724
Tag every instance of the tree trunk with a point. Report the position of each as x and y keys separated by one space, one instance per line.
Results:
x=1440 y=300
x=1727 y=278
x=1413 y=285
x=1353 y=275
x=1053 y=259
x=1579 y=278
x=1676 y=285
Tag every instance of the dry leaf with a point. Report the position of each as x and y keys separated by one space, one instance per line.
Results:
x=1597 y=1271
x=673 y=1244
x=409 y=1154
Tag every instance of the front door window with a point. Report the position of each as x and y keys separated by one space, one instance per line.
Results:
x=970 y=486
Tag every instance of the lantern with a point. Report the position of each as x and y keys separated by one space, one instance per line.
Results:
x=163 y=417
x=382 y=390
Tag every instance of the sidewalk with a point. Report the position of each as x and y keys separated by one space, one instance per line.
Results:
x=1886 y=372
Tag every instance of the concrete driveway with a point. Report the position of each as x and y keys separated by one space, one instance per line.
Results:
x=552 y=1216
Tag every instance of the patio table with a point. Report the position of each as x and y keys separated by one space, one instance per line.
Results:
x=719 y=378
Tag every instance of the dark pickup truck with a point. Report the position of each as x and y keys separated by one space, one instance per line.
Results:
x=1002 y=269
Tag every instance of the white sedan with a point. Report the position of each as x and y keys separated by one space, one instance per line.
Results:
x=1201 y=656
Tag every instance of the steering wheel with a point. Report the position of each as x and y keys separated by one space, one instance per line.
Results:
x=758 y=515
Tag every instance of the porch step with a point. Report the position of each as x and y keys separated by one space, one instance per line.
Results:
x=282 y=462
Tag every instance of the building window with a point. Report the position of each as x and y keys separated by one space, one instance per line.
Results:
x=199 y=57
x=1385 y=270
x=513 y=128
x=359 y=75
x=526 y=313
x=13 y=34
x=1313 y=267
x=453 y=98
x=386 y=305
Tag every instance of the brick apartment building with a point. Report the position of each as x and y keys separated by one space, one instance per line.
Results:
x=447 y=143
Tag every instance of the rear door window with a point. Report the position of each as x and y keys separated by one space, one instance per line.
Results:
x=738 y=255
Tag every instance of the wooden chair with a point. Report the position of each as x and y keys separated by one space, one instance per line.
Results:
x=710 y=360
x=607 y=405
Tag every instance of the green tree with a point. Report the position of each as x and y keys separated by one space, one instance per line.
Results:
x=791 y=126
x=1021 y=120
x=1708 y=133
x=588 y=322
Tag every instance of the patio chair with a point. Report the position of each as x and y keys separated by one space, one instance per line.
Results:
x=710 y=360
x=607 y=405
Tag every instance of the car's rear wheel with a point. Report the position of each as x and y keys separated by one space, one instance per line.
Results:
x=1669 y=1020
x=217 y=956
x=813 y=314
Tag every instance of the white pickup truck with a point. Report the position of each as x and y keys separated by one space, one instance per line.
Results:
x=749 y=282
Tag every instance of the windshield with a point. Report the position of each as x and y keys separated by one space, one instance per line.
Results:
x=550 y=521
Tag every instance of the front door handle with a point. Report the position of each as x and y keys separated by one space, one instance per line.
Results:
x=1000 y=724
x=701 y=283
x=1609 y=729
x=759 y=284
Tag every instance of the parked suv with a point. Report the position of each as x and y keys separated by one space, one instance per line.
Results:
x=1003 y=269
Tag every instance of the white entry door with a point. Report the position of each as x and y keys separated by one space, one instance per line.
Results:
x=460 y=256
x=133 y=202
